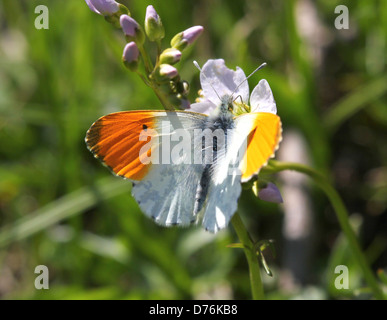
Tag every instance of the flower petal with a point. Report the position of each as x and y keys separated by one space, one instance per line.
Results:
x=204 y=106
x=168 y=71
x=262 y=99
x=215 y=76
x=91 y=6
x=129 y=25
x=131 y=52
x=151 y=14
x=103 y=7
x=191 y=34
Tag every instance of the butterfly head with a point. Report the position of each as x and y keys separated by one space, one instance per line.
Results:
x=226 y=104
x=233 y=105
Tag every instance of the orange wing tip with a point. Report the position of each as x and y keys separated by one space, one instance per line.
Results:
x=92 y=137
x=111 y=137
x=91 y=140
x=279 y=139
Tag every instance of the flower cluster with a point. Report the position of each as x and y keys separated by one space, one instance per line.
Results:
x=160 y=73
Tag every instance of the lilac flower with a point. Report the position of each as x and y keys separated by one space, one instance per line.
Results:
x=153 y=26
x=129 y=25
x=191 y=34
x=217 y=81
x=103 y=7
x=270 y=193
x=131 y=29
x=168 y=71
x=183 y=39
x=151 y=14
x=130 y=56
x=170 y=56
x=185 y=104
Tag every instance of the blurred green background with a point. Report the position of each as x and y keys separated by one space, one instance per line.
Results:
x=61 y=208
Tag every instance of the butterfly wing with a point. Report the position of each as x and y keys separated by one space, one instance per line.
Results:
x=152 y=149
x=252 y=142
x=263 y=132
x=224 y=189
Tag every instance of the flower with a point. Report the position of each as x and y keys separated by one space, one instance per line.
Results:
x=184 y=104
x=130 y=56
x=153 y=26
x=218 y=81
x=270 y=193
x=170 y=56
x=129 y=25
x=186 y=37
x=168 y=71
x=103 y=7
x=131 y=29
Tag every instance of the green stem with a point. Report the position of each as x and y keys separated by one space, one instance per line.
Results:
x=163 y=99
x=252 y=260
x=149 y=69
x=342 y=215
x=146 y=59
x=158 y=43
x=145 y=80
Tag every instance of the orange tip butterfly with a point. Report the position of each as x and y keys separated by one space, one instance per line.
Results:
x=187 y=166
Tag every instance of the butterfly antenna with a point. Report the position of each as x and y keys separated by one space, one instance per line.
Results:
x=210 y=82
x=259 y=68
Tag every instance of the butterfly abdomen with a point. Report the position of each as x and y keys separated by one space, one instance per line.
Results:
x=202 y=189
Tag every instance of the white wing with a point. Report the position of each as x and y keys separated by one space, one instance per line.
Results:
x=167 y=193
x=225 y=186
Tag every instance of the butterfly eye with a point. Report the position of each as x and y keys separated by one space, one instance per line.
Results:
x=230 y=107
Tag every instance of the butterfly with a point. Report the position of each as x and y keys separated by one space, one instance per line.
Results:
x=187 y=166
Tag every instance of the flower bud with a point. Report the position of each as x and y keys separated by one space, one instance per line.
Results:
x=153 y=26
x=130 y=56
x=167 y=71
x=269 y=192
x=170 y=56
x=183 y=39
x=132 y=29
x=178 y=103
x=185 y=104
x=103 y=7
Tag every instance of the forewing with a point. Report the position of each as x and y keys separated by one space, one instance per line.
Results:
x=148 y=147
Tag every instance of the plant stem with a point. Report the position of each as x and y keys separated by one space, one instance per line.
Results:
x=342 y=215
x=145 y=57
x=252 y=260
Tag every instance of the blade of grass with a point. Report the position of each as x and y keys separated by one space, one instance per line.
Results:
x=63 y=208
x=354 y=102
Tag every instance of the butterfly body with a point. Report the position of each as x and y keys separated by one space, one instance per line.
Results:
x=220 y=119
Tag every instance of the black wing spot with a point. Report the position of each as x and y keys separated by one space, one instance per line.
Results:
x=144 y=126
